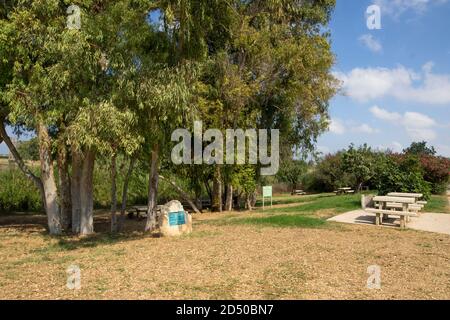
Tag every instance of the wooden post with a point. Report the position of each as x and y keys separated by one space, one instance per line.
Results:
x=402 y=222
x=380 y=206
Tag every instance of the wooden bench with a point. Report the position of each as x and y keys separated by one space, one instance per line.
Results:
x=298 y=192
x=380 y=212
x=411 y=207
x=136 y=210
x=344 y=191
x=387 y=205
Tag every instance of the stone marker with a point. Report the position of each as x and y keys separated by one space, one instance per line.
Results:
x=367 y=201
x=173 y=220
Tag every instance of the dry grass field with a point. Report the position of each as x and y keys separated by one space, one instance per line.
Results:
x=288 y=252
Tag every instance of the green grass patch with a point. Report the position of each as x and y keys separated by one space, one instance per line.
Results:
x=281 y=221
x=437 y=204
x=288 y=199
x=307 y=214
x=339 y=204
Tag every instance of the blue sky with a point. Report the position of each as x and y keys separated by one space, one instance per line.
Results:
x=395 y=81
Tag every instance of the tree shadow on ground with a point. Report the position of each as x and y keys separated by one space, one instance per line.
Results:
x=37 y=224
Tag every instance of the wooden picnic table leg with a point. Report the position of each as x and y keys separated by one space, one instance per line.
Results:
x=402 y=222
x=405 y=209
x=380 y=206
x=377 y=219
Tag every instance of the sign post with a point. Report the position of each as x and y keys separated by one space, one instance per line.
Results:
x=267 y=193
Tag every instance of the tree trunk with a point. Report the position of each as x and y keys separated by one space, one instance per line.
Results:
x=48 y=180
x=217 y=191
x=125 y=194
x=77 y=169
x=253 y=199
x=114 y=225
x=208 y=190
x=229 y=198
x=64 y=188
x=359 y=187
x=20 y=163
x=152 y=190
x=249 y=202
x=183 y=194
x=87 y=194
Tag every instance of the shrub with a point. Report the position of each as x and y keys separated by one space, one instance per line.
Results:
x=328 y=175
x=390 y=176
x=17 y=193
x=436 y=170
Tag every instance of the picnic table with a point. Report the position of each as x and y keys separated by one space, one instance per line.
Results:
x=344 y=190
x=386 y=205
x=298 y=192
x=136 y=210
x=416 y=196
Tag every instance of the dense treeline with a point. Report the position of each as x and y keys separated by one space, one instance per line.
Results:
x=416 y=169
x=118 y=84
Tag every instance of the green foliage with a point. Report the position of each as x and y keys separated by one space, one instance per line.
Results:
x=360 y=163
x=17 y=193
x=385 y=172
x=328 y=175
x=292 y=171
x=392 y=177
x=120 y=85
x=420 y=148
x=29 y=150
x=436 y=170
x=244 y=179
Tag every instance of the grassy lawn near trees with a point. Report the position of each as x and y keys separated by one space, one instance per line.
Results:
x=438 y=204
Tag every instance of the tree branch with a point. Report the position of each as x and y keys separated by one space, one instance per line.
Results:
x=22 y=166
x=183 y=194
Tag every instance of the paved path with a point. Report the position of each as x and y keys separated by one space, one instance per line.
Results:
x=432 y=222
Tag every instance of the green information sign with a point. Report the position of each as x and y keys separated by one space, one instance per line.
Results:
x=177 y=218
x=267 y=191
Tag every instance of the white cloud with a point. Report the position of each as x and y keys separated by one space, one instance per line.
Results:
x=400 y=83
x=384 y=114
x=395 y=8
x=417 y=125
x=370 y=42
x=364 y=128
x=336 y=126
x=339 y=127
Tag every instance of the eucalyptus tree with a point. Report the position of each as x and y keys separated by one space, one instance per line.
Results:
x=27 y=33
x=61 y=85
x=273 y=73
x=166 y=96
